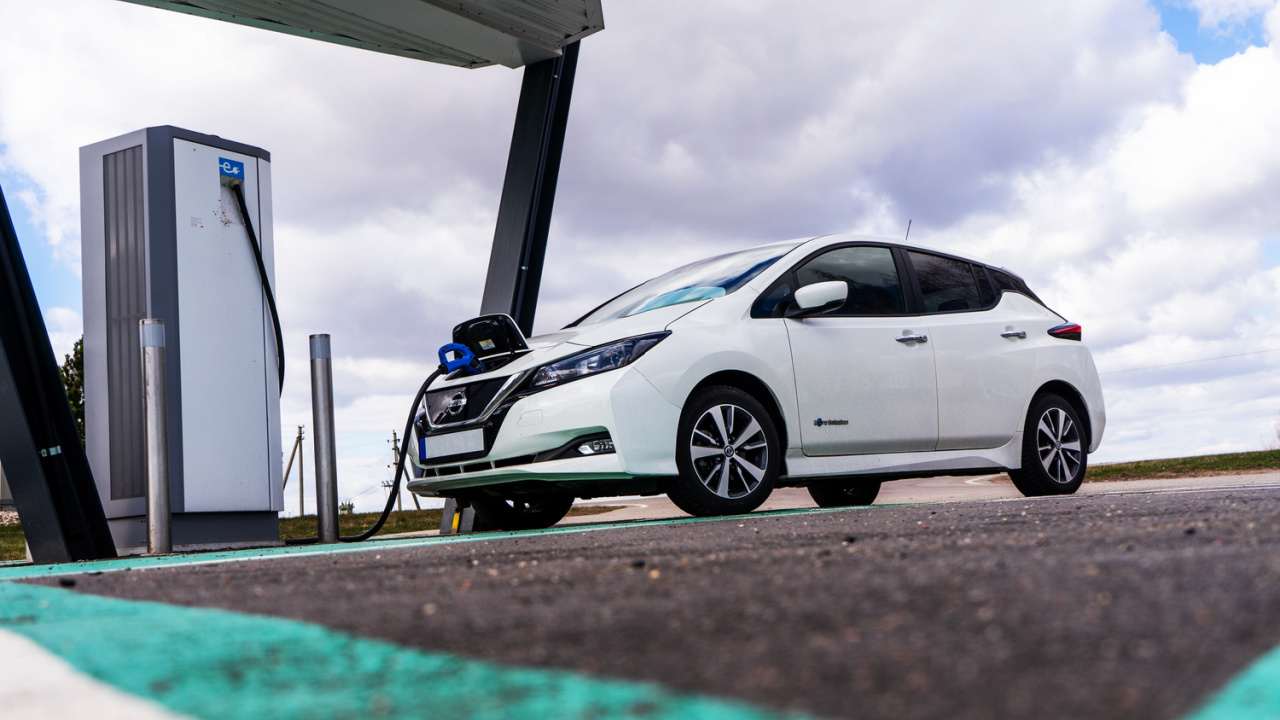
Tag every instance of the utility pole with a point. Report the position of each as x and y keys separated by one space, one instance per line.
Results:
x=395 y=462
x=301 y=484
x=297 y=445
x=297 y=450
x=395 y=458
x=413 y=496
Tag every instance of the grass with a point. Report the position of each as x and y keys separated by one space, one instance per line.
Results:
x=398 y=522
x=1201 y=465
x=13 y=544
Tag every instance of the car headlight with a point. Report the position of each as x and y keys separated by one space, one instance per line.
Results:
x=596 y=360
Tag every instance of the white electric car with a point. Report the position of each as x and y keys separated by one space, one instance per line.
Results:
x=834 y=363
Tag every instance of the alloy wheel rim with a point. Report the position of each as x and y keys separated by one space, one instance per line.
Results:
x=1058 y=444
x=729 y=450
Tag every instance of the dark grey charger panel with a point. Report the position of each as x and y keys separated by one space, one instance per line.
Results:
x=122 y=181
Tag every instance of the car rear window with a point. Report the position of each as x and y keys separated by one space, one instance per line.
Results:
x=1005 y=281
x=947 y=284
x=984 y=286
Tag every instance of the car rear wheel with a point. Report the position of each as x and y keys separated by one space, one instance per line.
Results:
x=844 y=493
x=727 y=453
x=1054 y=449
x=523 y=514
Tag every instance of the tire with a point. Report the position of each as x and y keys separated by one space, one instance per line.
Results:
x=844 y=493
x=1054 y=452
x=526 y=514
x=727 y=452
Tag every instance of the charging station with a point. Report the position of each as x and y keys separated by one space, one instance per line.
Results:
x=164 y=236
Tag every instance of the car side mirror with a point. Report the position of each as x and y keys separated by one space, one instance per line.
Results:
x=818 y=298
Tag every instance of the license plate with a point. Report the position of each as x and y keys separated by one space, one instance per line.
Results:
x=458 y=443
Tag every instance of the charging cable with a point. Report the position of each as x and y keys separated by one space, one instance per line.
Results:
x=404 y=451
x=395 y=485
x=262 y=274
x=413 y=409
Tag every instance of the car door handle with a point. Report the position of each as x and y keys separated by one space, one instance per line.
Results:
x=913 y=338
x=1020 y=334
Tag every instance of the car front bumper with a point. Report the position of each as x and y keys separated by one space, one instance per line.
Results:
x=622 y=403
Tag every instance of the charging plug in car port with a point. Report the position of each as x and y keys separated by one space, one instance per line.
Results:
x=594 y=444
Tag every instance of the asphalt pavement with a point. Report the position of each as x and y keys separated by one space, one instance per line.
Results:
x=1135 y=605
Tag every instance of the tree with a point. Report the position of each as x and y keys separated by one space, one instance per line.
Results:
x=73 y=380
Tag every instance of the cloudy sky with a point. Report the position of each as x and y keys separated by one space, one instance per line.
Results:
x=1122 y=155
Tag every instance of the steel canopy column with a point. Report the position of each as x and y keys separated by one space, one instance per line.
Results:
x=40 y=448
x=529 y=190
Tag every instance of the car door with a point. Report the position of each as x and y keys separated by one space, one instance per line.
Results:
x=984 y=351
x=864 y=373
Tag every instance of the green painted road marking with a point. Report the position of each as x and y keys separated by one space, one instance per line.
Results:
x=1253 y=694
x=22 y=572
x=214 y=664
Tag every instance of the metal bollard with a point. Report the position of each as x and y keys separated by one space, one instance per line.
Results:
x=159 y=519
x=326 y=453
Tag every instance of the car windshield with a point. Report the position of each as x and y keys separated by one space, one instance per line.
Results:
x=704 y=280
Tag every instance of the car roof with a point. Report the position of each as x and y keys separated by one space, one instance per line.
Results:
x=821 y=241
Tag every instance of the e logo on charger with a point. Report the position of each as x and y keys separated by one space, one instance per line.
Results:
x=231 y=168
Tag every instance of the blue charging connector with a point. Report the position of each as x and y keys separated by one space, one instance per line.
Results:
x=466 y=360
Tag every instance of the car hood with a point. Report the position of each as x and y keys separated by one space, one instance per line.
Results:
x=571 y=341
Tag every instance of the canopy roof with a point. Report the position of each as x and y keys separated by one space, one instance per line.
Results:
x=464 y=33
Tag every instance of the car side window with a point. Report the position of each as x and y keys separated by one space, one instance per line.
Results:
x=874 y=287
x=947 y=284
x=984 y=286
x=1005 y=281
x=772 y=303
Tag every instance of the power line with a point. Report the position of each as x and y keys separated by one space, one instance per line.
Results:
x=364 y=492
x=364 y=434
x=1195 y=344
x=1189 y=362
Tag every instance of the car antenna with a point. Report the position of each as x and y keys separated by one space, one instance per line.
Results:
x=908 y=230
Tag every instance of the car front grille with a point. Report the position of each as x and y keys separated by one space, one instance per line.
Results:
x=462 y=403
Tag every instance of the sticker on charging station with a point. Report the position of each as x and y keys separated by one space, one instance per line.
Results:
x=231 y=168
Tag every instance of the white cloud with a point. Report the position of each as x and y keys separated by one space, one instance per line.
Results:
x=1216 y=13
x=65 y=326
x=769 y=121
x=1213 y=160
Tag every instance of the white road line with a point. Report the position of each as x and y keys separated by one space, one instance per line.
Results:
x=35 y=684
x=1177 y=491
x=1079 y=496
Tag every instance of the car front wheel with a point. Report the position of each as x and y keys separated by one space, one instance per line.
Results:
x=727 y=453
x=1054 y=452
x=525 y=514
